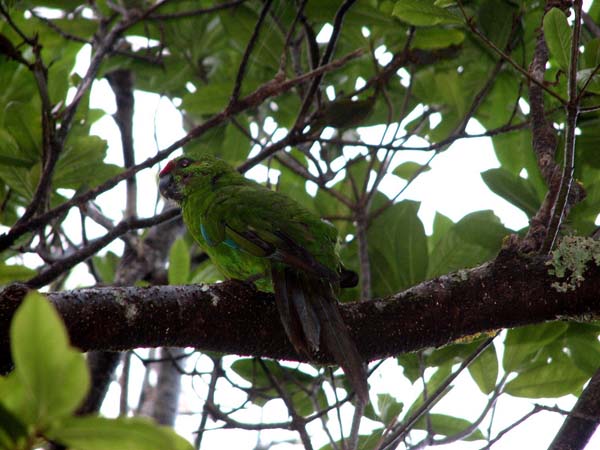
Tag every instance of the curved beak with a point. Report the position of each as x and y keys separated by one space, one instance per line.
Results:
x=168 y=188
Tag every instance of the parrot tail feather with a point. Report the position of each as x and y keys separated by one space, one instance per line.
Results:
x=309 y=312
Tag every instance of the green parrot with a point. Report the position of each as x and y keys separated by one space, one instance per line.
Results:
x=254 y=234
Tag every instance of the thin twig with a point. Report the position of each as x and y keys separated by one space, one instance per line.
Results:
x=195 y=12
x=471 y=24
x=298 y=422
x=210 y=400
x=316 y=82
x=249 y=47
x=50 y=273
x=397 y=435
x=561 y=204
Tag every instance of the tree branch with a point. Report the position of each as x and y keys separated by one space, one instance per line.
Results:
x=507 y=292
x=582 y=421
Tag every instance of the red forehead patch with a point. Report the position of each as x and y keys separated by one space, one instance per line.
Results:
x=168 y=168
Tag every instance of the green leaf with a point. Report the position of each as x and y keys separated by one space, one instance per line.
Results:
x=424 y=13
x=482 y=228
x=22 y=121
x=344 y=113
x=593 y=85
x=591 y=54
x=521 y=344
x=389 y=408
x=397 y=249
x=179 y=262
x=549 y=380
x=54 y=375
x=106 y=266
x=484 y=370
x=452 y=353
x=410 y=366
x=236 y=146
x=513 y=189
x=12 y=429
x=408 y=169
x=82 y=163
x=434 y=38
x=208 y=99
x=12 y=273
x=365 y=442
x=441 y=226
x=15 y=166
x=477 y=237
x=448 y=426
x=98 y=433
x=496 y=21
x=293 y=381
x=584 y=347
x=558 y=37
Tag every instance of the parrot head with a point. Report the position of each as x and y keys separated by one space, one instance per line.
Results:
x=182 y=175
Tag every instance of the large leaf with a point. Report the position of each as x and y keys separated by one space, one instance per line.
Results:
x=482 y=228
x=98 y=433
x=521 y=344
x=22 y=121
x=293 y=381
x=10 y=273
x=208 y=99
x=448 y=426
x=555 y=379
x=584 y=347
x=434 y=38
x=12 y=429
x=389 y=408
x=424 y=13
x=397 y=249
x=54 y=375
x=82 y=163
x=513 y=189
x=476 y=238
x=179 y=263
x=558 y=37
x=15 y=166
x=484 y=370
x=496 y=21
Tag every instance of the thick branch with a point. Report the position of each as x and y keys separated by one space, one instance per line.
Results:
x=233 y=318
x=582 y=421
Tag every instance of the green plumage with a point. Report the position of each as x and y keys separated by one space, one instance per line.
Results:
x=253 y=233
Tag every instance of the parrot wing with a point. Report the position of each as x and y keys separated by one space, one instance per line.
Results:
x=266 y=224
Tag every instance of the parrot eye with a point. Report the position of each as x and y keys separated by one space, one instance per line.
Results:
x=184 y=162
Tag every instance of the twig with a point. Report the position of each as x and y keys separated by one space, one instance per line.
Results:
x=561 y=204
x=337 y=28
x=249 y=47
x=210 y=400
x=298 y=423
x=50 y=273
x=195 y=12
x=395 y=437
x=536 y=409
x=470 y=23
